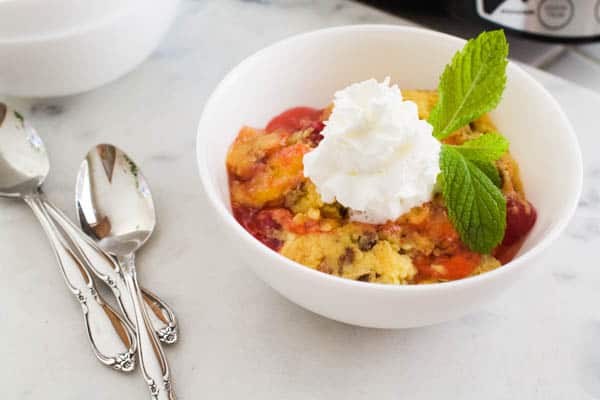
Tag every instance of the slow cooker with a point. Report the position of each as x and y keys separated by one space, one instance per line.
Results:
x=553 y=20
x=548 y=20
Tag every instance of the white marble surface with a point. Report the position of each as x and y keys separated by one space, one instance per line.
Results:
x=239 y=339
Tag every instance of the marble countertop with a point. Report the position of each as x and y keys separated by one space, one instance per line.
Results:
x=239 y=339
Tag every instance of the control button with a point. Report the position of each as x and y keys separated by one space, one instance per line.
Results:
x=555 y=14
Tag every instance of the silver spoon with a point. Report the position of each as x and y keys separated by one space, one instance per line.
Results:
x=24 y=166
x=115 y=207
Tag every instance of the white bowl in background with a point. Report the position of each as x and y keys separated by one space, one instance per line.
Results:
x=62 y=47
x=307 y=70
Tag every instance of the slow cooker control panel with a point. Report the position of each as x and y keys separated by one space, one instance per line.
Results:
x=556 y=18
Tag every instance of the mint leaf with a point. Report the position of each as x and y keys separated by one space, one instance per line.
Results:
x=485 y=148
x=19 y=116
x=483 y=151
x=471 y=84
x=475 y=205
x=490 y=170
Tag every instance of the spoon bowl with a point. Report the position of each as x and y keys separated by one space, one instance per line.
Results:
x=24 y=162
x=114 y=203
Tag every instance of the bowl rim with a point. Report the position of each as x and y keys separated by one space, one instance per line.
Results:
x=226 y=216
x=86 y=21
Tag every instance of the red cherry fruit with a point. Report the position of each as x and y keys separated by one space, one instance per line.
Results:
x=296 y=119
x=264 y=225
x=315 y=136
x=520 y=218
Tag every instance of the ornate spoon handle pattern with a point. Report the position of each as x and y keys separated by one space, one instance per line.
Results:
x=108 y=271
x=153 y=361
x=112 y=338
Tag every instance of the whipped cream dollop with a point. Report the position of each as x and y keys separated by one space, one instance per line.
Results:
x=377 y=157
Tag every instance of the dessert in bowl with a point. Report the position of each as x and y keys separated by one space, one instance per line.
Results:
x=306 y=70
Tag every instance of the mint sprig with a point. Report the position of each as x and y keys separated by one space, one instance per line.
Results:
x=471 y=84
x=475 y=205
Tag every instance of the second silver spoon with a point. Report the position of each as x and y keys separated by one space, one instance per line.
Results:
x=116 y=208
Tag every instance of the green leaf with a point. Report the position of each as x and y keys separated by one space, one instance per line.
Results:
x=483 y=151
x=472 y=84
x=490 y=170
x=485 y=148
x=19 y=116
x=475 y=205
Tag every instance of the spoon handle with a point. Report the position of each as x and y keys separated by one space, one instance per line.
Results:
x=111 y=336
x=108 y=271
x=153 y=361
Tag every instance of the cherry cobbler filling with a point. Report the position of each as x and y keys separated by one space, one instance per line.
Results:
x=273 y=200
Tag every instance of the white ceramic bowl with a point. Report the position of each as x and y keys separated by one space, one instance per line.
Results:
x=62 y=47
x=307 y=70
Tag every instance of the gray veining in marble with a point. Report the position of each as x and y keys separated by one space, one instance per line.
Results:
x=239 y=338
